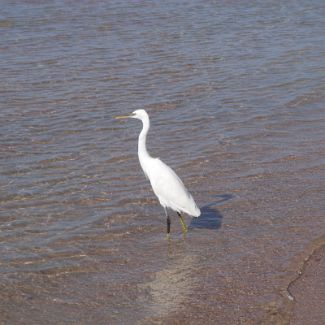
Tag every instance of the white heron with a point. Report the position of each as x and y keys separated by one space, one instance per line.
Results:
x=167 y=186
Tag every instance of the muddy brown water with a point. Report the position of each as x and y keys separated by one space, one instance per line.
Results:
x=235 y=91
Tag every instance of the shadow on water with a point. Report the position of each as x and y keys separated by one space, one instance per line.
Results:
x=210 y=217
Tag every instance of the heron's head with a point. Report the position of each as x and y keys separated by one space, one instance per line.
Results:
x=139 y=114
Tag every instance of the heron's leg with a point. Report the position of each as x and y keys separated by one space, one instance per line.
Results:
x=184 y=227
x=168 y=225
x=168 y=221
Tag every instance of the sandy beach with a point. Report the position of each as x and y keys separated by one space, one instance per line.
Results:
x=307 y=289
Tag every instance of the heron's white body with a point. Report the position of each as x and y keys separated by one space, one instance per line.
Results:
x=167 y=186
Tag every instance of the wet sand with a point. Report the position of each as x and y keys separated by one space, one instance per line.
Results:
x=308 y=289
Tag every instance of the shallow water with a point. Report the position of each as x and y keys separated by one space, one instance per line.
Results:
x=235 y=92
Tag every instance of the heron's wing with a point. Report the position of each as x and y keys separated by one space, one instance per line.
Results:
x=169 y=188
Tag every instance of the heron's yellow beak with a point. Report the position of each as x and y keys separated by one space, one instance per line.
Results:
x=121 y=116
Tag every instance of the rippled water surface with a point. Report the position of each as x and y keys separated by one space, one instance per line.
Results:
x=235 y=91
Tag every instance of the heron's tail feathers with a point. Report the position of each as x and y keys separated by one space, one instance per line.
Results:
x=197 y=212
x=194 y=211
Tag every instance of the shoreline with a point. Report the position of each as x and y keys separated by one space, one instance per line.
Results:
x=307 y=290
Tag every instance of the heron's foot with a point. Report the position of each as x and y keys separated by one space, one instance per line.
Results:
x=184 y=227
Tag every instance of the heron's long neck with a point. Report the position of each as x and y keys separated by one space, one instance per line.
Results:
x=142 y=147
